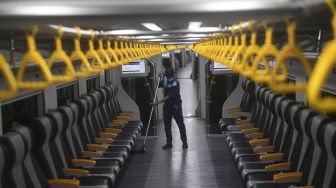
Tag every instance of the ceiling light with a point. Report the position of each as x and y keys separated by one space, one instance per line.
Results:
x=152 y=26
x=194 y=25
x=122 y=32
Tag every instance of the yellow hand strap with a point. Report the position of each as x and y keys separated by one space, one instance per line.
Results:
x=291 y=50
x=249 y=56
x=85 y=68
x=262 y=75
x=104 y=56
x=96 y=62
x=32 y=56
x=7 y=73
x=115 y=62
x=60 y=55
x=322 y=69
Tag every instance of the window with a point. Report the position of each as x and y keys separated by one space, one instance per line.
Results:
x=92 y=84
x=22 y=111
x=67 y=93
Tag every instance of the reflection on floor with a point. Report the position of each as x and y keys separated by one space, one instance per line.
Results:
x=207 y=162
x=188 y=90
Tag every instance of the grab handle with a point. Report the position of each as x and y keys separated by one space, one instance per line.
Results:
x=322 y=69
x=115 y=62
x=96 y=63
x=60 y=55
x=262 y=75
x=7 y=73
x=291 y=50
x=32 y=56
x=103 y=54
x=249 y=56
x=85 y=68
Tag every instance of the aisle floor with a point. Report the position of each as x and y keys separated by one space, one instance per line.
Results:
x=207 y=162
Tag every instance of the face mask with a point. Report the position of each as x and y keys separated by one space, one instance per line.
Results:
x=170 y=79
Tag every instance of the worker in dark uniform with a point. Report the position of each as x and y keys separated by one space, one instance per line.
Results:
x=172 y=107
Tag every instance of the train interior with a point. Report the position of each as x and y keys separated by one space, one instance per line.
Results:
x=79 y=81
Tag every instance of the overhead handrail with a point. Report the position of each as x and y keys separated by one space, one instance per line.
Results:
x=113 y=55
x=9 y=78
x=321 y=70
x=291 y=50
x=77 y=54
x=91 y=54
x=262 y=74
x=32 y=56
x=59 y=55
x=249 y=55
x=103 y=54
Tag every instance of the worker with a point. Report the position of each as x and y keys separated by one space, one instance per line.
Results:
x=172 y=107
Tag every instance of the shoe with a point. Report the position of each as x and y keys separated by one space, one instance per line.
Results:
x=185 y=145
x=167 y=146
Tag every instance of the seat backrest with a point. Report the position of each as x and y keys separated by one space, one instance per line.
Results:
x=24 y=171
x=327 y=179
x=84 y=120
x=74 y=134
x=3 y=166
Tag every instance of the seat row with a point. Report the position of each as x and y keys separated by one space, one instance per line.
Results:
x=84 y=143
x=281 y=142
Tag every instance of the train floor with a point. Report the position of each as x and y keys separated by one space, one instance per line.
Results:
x=206 y=163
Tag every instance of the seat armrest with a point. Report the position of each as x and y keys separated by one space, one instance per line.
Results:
x=83 y=162
x=263 y=149
x=113 y=130
x=259 y=142
x=91 y=154
x=272 y=157
x=104 y=140
x=122 y=117
x=107 y=135
x=307 y=186
x=56 y=183
x=248 y=114
x=246 y=126
x=75 y=172
x=233 y=109
x=292 y=177
x=97 y=147
x=250 y=131
x=278 y=167
x=127 y=111
x=240 y=122
x=254 y=135
x=125 y=114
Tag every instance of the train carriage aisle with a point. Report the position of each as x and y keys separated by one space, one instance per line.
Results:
x=165 y=94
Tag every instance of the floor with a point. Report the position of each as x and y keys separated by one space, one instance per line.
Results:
x=206 y=163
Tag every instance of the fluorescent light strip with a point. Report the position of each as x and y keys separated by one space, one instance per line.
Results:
x=152 y=26
x=194 y=25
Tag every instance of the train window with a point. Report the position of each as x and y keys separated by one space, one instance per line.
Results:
x=92 y=84
x=22 y=111
x=64 y=94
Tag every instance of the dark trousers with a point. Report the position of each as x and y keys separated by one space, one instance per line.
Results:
x=175 y=111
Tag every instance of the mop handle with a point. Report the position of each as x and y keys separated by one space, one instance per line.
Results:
x=150 y=116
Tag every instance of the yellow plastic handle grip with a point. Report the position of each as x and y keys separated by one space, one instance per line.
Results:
x=9 y=78
x=85 y=68
x=30 y=57
x=60 y=55
x=236 y=62
x=249 y=56
x=291 y=50
x=104 y=56
x=115 y=62
x=96 y=63
x=319 y=76
x=124 y=52
x=232 y=51
x=268 y=49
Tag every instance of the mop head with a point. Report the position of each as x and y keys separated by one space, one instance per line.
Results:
x=142 y=149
